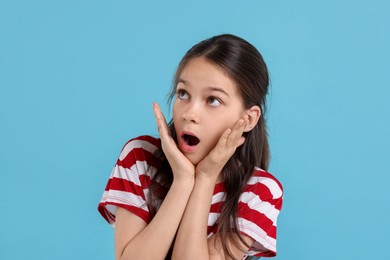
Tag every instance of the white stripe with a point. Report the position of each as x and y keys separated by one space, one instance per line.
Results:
x=146 y=192
x=126 y=174
x=257 y=234
x=212 y=219
x=259 y=169
x=134 y=172
x=254 y=202
x=256 y=248
x=124 y=197
x=218 y=197
x=270 y=183
x=262 y=241
x=137 y=144
x=142 y=167
x=209 y=235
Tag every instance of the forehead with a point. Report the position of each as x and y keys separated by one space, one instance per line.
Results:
x=199 y=73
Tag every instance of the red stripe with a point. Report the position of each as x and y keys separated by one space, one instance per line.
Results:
x=105 y=213
x=264 y=194
x=219 y=187
x=108 y=185
x=138 y=154
x=216 y=207
x=145 y=181
x=261 y=173
x=268 y=253
x=259 y=189
x=277 y=203
x=212 y=229
x=261 y=220
x=126 y=186
x=155 y=141
x=135 y=210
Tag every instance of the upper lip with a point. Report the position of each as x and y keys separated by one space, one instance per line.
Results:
x=184 y=132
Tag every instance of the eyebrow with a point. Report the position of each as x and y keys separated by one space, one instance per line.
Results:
x=210 y=88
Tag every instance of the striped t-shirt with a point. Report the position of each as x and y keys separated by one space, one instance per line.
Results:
x=128 y=187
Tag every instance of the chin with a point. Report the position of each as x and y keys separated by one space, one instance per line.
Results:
x=193 y=159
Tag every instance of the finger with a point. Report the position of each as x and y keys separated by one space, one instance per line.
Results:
x=160 y=120
x=157 y=116
x=236 y=134
x=241 y=141
x=231 y=137
x=223 y=139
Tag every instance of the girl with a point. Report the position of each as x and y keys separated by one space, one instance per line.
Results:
x=201 y=191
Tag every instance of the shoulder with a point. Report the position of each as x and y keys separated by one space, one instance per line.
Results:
x=259 y=206
x=141 y=148
x=144 y=142
x=265 y=184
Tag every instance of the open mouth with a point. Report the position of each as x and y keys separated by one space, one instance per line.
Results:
x=190 y=140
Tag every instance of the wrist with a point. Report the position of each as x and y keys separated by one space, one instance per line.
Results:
x=188 y=179
x=208 y=178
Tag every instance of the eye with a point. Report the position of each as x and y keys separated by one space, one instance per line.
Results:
x=213 y=101
x=182 y=94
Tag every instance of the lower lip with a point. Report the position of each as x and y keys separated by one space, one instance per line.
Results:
x=185 y=148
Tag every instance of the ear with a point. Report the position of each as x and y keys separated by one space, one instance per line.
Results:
x=253 y=114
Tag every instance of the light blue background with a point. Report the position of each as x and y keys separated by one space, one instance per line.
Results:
x=77 y=80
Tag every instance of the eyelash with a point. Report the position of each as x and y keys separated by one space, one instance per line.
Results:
x=181 y=92
x=210 y=99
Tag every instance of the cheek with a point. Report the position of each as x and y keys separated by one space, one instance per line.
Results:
x=231 y=120
x=175 y=112
x=218 y=127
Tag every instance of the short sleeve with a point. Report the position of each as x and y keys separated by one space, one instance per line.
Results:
x=128 y=184
x=258 y=210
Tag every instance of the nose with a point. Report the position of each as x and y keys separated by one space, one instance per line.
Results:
x=191 y=114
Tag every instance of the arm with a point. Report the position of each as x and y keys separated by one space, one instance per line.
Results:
x=134 y=239
x=191 y=241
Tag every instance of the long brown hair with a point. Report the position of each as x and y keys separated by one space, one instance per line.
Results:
x=243 y=63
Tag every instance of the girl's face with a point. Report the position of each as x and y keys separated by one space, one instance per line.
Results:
x=207 y=103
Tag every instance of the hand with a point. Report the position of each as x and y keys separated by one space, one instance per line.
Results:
x=181 y=166
x=212 y=164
